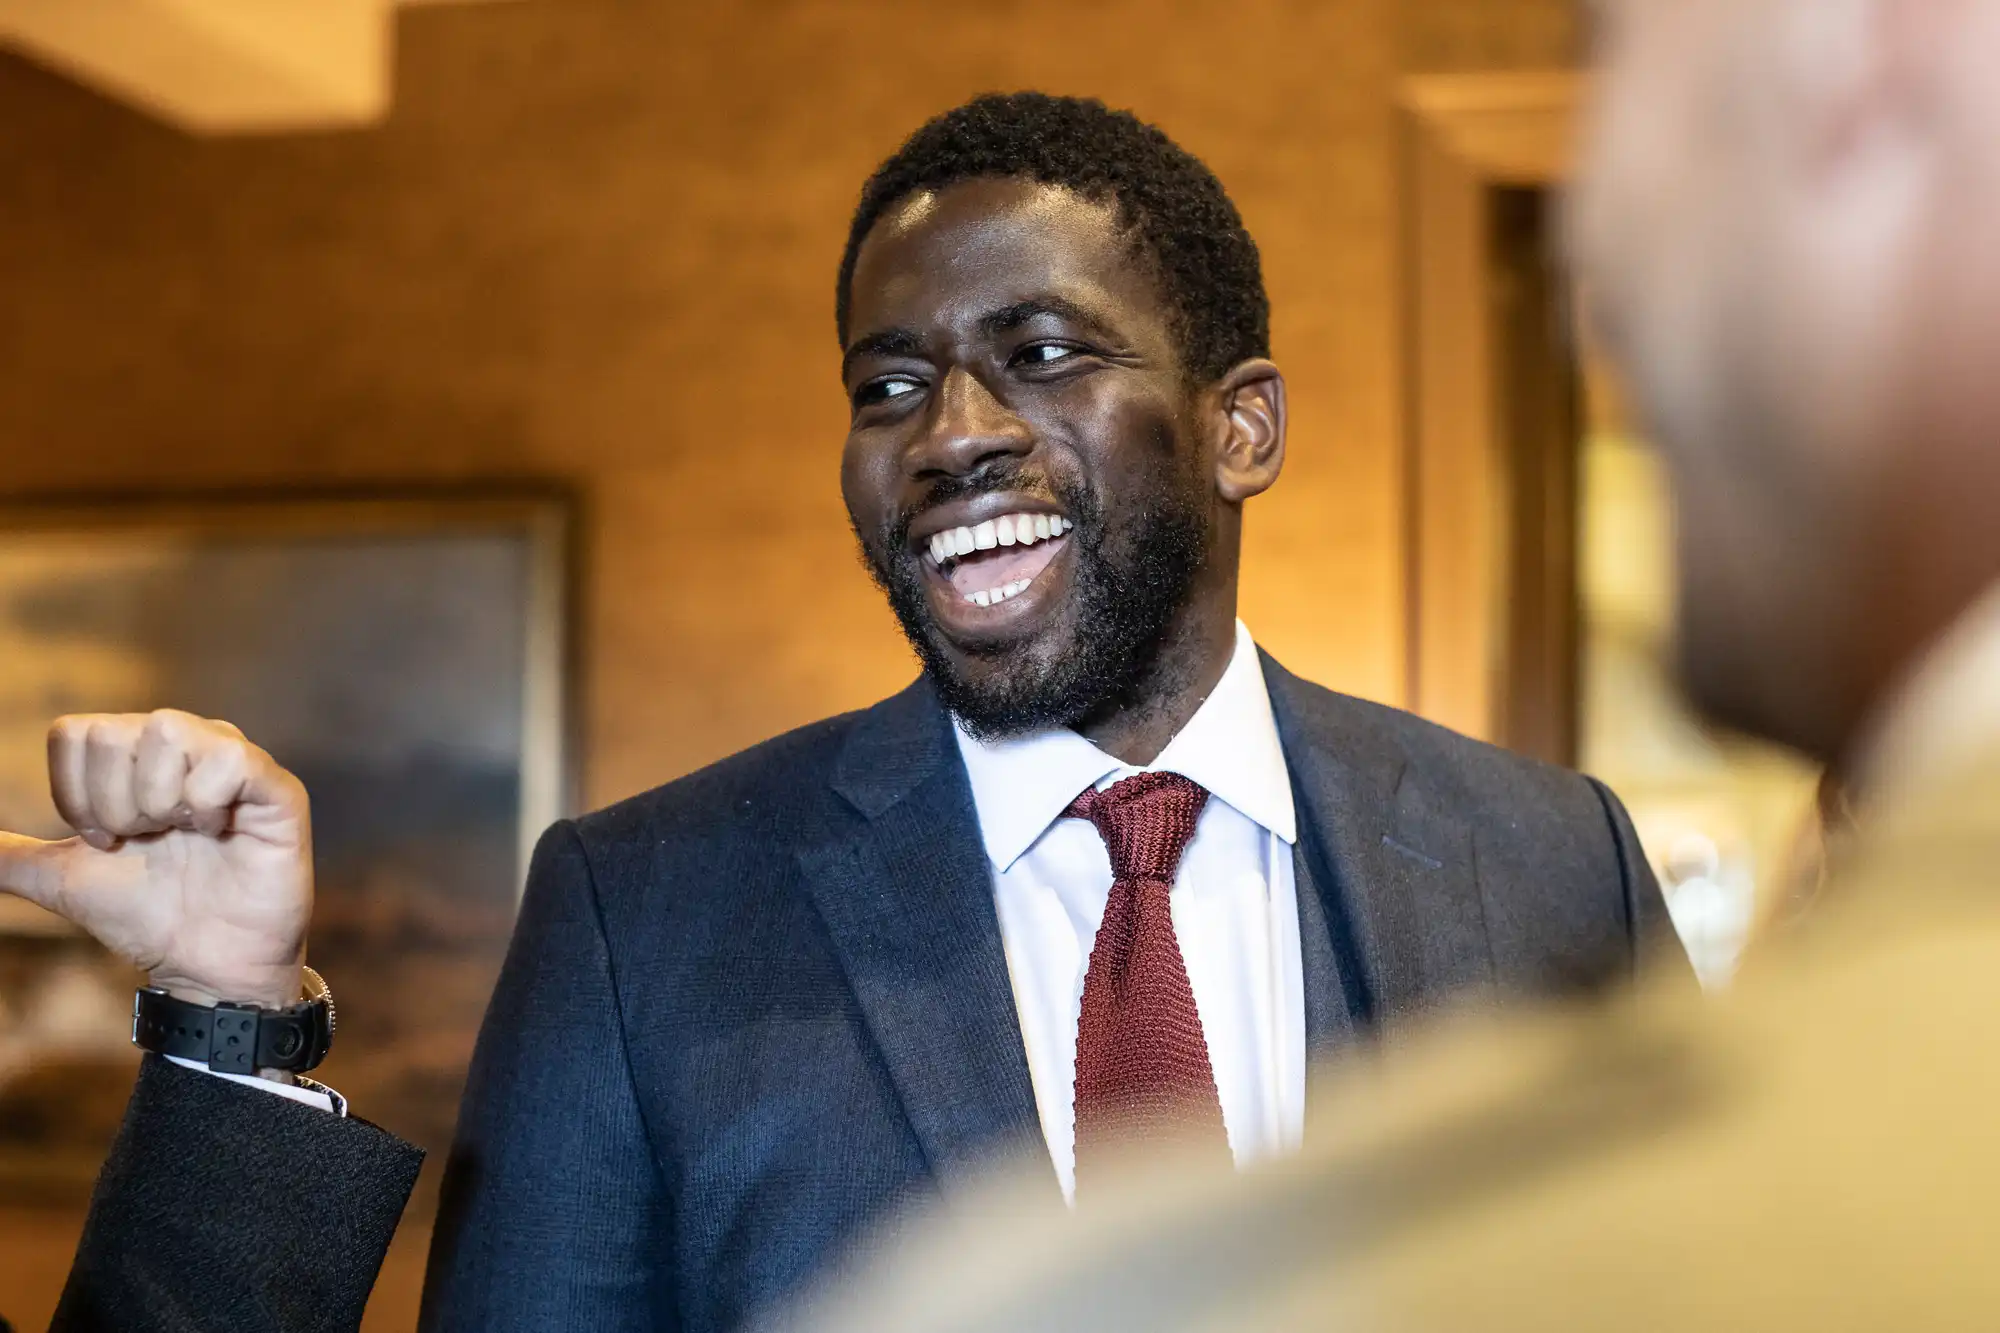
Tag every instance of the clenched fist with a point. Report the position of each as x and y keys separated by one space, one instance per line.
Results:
x=193 y=854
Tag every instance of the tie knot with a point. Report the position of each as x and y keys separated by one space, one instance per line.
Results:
x=1145 y=821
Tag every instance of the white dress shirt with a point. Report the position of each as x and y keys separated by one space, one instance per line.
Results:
x=1235 y=906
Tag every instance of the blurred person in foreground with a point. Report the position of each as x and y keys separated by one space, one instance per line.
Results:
x=1788 y=219
x=1103 y=857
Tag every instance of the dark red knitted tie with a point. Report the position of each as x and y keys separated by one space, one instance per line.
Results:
x=1142 y=1069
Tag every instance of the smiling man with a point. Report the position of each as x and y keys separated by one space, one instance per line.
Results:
x=1103 y=873
x=749 y=1013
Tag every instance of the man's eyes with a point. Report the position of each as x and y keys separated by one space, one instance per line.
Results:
x=889 y=388
x=884 y=390
x=1044 y=354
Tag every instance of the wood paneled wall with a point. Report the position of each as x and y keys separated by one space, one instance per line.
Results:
x=596 y=242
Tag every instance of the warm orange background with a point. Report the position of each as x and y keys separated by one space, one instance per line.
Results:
x=596 y=243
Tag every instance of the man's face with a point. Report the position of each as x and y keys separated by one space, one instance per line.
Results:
x=1025 y=468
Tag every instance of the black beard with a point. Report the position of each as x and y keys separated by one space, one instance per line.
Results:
x=1124 y=598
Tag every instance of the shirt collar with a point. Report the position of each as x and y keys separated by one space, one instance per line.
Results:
x=1022 y=785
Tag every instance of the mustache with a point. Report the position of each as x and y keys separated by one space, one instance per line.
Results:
x=1002 y=476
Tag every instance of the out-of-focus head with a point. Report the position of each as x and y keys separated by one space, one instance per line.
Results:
x=1052 y=316
x=1787 y=221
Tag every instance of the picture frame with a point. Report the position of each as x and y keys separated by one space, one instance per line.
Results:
x=408 y=655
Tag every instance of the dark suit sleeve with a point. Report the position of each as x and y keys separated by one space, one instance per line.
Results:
x=552 y=1213
x=1654 y=943
x=223 y=1209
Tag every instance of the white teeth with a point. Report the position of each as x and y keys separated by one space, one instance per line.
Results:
x=995 y=596
x=1008 y=530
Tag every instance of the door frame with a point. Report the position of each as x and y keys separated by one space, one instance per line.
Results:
x=1490 y=427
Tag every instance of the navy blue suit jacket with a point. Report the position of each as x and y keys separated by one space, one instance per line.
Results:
x=747 y=1015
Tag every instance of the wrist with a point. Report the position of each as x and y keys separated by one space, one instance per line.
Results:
x=280 y=989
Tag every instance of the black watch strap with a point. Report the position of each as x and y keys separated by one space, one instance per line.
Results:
x=233 y=1038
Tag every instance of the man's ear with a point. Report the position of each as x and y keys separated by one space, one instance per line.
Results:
x=1250 y=421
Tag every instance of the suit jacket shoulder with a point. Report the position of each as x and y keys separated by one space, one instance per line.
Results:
x=1463 y=864
x=1480 y=778
x=733 y=796
x=787 y=788
x=717 y=850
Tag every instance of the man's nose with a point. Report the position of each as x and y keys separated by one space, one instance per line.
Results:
x=968 y=428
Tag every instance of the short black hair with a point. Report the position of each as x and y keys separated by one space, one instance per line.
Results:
x=1176 y=211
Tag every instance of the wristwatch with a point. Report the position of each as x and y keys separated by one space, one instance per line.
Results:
x=237 y=1038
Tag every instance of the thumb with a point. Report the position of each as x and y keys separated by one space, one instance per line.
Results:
x=37 y=870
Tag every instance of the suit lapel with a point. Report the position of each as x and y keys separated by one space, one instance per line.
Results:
x=1335 y=1002
x=908 y=900
x=1398 y=883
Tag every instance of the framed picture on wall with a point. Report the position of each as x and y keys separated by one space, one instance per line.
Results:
x=406 y=657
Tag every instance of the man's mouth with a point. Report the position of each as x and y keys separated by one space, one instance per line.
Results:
x=993 y=562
